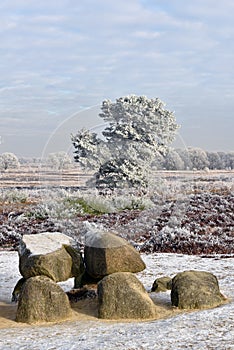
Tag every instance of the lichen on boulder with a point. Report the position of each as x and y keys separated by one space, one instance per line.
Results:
x=195 y=290
x=122 y=296
x=42 y=300
x=106 y=253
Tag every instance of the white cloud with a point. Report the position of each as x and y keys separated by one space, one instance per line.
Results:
x=147 y=34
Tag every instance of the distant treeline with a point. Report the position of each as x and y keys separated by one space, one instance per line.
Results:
x=174 y=159
x=195 y=159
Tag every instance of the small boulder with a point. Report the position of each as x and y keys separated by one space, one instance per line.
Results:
x=42 y=300
x=50 y=254
x=105 y=253
x=195 y=290
x=122 y=296
x=161 y=284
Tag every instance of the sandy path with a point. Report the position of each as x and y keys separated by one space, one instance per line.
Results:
x=83 y=310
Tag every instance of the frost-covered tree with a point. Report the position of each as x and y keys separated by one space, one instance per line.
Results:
x=90 y=151
x=173 y=161
x=185 y=156
x=138 y=129
x=59 y=160
x=8 y=161
x=229 y=160
x=215 y=161
x=198 y=158
x=223 y=159
x=158 y=162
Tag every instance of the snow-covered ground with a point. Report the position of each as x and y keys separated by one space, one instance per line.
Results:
x=206 y=329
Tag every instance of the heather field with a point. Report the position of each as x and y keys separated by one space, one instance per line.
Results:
x=183 y=212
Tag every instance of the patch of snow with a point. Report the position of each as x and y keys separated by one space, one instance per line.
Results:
x=46 y=242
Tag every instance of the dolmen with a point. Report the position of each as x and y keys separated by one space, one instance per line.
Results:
x=51 y=257
x=109 y=262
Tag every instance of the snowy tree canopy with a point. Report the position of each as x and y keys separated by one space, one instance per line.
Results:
x=59 y=160
x=215 y=161
x=228 y=160
x=138 y=121
x=173 y=161
x=90 y=151
x=198 y=158
x=138 y=129
x=8 y=160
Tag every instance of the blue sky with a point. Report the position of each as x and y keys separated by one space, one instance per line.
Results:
x=60 y=57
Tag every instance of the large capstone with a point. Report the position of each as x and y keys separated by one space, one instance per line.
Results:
x=105 y=253
x=42 y=300
x=195 y=290
x=122 y=296
x=50 y=254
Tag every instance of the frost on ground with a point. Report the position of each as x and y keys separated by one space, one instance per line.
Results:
x=207 y=329
x=182 y=213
